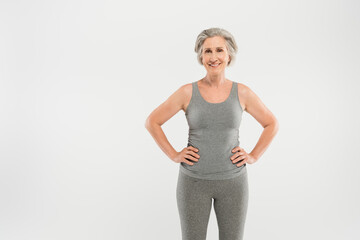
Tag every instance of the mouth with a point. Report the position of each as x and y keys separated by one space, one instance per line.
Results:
x=214 y=65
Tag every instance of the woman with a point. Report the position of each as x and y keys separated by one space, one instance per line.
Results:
x=213 y=165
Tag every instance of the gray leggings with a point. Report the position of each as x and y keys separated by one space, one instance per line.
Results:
x=194 y=199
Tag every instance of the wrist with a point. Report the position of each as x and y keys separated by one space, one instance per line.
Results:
x=172 y=155
x=254 y=156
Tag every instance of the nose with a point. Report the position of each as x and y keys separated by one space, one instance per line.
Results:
x=213 y=57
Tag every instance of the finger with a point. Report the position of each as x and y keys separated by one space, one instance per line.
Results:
x=193 y=154
x=192 y=148
x=237 y=154
x=188 y=162
x=236 y=149
x=234 y=156
x=189 y=157
x=239 y=158
x=241 y=163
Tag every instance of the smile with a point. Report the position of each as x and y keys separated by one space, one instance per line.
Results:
x=214 y=65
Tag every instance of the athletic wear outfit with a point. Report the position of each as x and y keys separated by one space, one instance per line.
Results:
x=214 y=130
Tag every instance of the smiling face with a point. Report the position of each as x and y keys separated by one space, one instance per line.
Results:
x=215 y=56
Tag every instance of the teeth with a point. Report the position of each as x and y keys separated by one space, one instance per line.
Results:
x=214 y=65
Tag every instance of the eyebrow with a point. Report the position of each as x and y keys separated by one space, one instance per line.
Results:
x=210 y=48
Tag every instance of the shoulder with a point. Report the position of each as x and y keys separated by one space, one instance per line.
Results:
x=245 y=94
x=183 y=90
x=244 y=90
x=183 y=95
x=186 y=89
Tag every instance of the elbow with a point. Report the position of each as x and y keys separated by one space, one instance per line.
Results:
x=149 y=123
x=276 y=125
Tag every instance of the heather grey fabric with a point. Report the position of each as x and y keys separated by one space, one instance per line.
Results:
x=194 y=200
x=214 y=130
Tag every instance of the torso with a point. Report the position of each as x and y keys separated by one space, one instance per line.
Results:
x=217 y=96
x=213 y=129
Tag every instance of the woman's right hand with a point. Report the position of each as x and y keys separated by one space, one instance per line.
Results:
x=187 y=153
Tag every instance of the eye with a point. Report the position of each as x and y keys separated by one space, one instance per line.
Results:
x=207 y=51
x=220 y=50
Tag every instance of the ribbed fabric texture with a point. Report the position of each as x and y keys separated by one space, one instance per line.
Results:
x=214 y=130
x=230 y=199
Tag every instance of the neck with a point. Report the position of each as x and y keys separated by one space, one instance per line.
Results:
x=214 y=80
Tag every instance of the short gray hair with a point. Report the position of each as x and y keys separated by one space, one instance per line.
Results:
x=212 y=32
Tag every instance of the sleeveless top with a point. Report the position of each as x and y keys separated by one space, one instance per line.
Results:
x=214 y=130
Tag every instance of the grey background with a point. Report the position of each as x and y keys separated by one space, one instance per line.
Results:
x=79 y=78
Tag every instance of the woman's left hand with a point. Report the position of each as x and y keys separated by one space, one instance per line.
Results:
x=241 y=154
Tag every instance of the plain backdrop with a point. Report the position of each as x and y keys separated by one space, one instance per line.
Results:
x=79 y=78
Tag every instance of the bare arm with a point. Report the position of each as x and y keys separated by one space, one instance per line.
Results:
x=255 y=107
x=162 y=114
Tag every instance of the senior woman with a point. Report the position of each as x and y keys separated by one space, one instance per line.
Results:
x=213 y=165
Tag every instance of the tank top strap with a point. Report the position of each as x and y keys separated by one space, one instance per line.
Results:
x=196 y=90
x=196 y=96
x=234 y=91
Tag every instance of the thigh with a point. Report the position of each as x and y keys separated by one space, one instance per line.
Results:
x=230 y=205
x=194 y=204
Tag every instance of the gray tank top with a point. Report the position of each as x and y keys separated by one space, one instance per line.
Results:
x=214 y=130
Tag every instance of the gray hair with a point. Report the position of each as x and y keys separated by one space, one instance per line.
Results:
x=212 y=32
